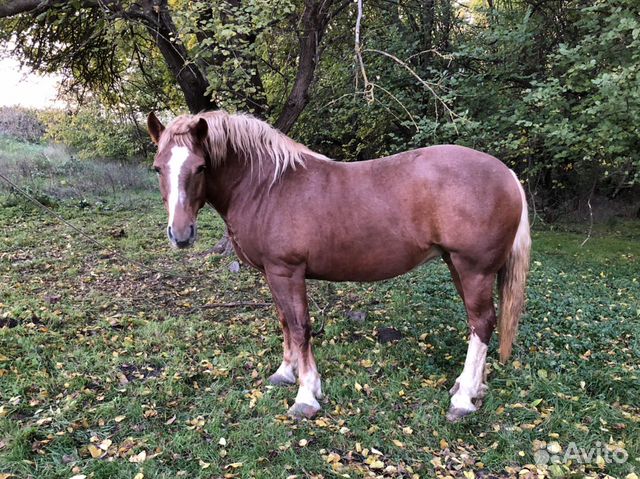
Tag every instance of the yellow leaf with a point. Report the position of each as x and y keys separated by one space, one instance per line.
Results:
x=203 y=464
x=139 y=458
x=119 y=418
x=407 y=430
x=234 y=465
x=140 y=475
x=7 y=476
x=303 y=442
x=358 y=387
x=222 y=441
x=631 y=475
x=397 y=443
x=376 y=464
x=77 y=476
x=443 y=444
x=95 y=451
x=104 y=445
x=469 y=474
x=367 y=363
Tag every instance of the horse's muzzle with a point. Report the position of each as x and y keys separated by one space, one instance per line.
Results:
x=182 y=239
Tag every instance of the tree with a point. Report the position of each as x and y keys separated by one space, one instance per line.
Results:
x=211 y=50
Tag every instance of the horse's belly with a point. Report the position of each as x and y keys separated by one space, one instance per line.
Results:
x=365 y=266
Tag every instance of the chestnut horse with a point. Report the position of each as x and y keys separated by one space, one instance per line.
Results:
x=293 y=214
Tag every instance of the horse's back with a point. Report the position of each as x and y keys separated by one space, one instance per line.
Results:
x=380 y=218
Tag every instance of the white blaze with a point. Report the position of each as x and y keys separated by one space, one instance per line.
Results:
x=179 y=155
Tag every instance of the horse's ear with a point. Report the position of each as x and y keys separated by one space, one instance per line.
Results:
x=200 y=130
x=155 y=127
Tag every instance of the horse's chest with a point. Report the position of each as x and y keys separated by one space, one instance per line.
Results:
x=243 y=254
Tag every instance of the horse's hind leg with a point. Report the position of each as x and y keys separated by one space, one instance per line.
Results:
x=477 y=291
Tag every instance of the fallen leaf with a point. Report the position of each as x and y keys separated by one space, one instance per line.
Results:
x=95 y=451
x=106 y=444
x=139 y=458
x=119 y=418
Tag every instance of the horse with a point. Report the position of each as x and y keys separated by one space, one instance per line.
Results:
x=294 y=214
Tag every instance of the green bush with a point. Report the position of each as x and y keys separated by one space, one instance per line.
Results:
x=92 y=133
x=21 y=123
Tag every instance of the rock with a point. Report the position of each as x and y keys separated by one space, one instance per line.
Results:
x=234 y=267
x=386 y=335
x=357 y=316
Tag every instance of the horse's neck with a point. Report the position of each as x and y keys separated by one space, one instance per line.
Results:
x=235 y=182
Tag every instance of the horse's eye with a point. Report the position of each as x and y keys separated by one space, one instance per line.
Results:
x=201 y=169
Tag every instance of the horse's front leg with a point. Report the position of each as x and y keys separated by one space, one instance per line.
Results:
x=286 y=373
x=289 y=292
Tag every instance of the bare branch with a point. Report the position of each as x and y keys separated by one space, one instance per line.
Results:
x=368 y=86
x=13 y=8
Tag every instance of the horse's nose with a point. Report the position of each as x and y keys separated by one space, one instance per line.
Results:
x=182 y=238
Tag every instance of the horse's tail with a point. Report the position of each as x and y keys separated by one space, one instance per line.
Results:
x=512 y=280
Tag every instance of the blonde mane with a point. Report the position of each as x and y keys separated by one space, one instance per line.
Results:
x=251 y=138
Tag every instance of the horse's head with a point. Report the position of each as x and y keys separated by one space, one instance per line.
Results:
x=181 y=163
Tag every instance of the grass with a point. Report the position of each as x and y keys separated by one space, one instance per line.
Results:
x=110 y=370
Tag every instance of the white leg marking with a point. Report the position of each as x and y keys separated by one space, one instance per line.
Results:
x=470 y=381
x=310 y=388
x=179 y=155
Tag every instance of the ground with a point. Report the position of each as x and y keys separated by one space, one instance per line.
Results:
x=119 y=361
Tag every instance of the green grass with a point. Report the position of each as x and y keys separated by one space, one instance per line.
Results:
x=96 y=349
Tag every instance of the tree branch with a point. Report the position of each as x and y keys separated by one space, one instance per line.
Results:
x=13 y=8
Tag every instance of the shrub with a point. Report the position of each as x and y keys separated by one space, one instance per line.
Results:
x=21 y=123
x=95 y=134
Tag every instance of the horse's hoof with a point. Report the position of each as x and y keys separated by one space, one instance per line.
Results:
x=455 y=414
x=301 y=410
x=454 y=389
x=280 y=380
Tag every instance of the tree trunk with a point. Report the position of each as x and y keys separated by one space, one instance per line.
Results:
x=314 y=23
x=428 y=19
x=191 y=80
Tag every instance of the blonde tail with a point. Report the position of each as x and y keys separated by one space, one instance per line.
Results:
x=512 y=280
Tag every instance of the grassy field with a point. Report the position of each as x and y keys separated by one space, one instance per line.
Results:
x=110 y=369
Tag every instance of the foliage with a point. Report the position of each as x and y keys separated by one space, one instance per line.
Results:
x=21 y=123
x=93 y=133
x=51 y=174
x=109 y=370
